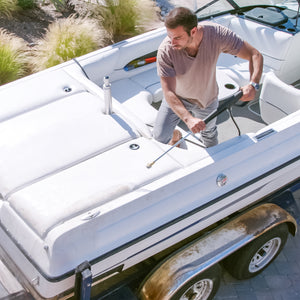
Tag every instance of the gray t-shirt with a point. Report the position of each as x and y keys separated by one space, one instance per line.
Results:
x=196 y=76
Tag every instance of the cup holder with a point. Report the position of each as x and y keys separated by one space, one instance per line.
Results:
x=229 y=86
x=285 y=28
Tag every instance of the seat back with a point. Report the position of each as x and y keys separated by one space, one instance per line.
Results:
x=110 y=61
x=277 y=99
x=273 y=44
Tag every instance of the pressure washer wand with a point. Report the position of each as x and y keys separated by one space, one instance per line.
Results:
x=176 y=144
x=226 y=104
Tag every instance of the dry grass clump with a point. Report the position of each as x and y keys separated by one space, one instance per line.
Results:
x=67 y=39
x=125 y=18
x=7 y=7
x=13 y=62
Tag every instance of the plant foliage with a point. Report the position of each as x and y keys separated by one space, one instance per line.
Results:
x=7 y=7
x=67 y=39
x=27 y=4
x=13 y=62
x=125 y=18
x=63 y=6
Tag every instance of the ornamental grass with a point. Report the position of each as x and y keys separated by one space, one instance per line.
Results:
x=67 y=39
x=125 y=18
x=7 y=7
x=27 y=4
x=13 y=62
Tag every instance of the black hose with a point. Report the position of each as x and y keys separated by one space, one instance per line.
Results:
x=234 y=122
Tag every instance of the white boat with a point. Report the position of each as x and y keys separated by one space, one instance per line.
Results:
x=74 y=180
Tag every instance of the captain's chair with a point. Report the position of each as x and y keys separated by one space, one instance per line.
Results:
x=277 y=99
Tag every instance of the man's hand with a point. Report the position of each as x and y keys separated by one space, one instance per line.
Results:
x=168 y=84
x=248 y=93
x=195 y=125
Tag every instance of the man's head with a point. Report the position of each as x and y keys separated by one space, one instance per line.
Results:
x=181 y=25
x=181 y=16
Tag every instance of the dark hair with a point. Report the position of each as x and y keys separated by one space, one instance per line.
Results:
x=181 y=16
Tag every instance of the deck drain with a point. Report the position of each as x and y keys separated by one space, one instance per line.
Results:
x=67 y=89
x=134 y=146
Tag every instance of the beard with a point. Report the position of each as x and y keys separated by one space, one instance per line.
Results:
x=183 y=47
x=177 y=47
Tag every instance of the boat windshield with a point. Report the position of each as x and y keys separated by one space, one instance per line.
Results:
x=216 y=7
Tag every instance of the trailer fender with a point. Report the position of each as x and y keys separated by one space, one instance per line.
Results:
x=201 y=254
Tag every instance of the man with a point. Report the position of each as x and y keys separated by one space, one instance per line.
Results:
x=186 y=64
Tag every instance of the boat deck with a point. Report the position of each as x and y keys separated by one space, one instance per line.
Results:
x=246 y=115
x=247 y=118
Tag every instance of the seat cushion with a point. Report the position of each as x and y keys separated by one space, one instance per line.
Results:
x=35 y=91
x=55 y=137
x=135 y=98
x=150 y=81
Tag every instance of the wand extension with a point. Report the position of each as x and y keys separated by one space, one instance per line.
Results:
x=149 y=165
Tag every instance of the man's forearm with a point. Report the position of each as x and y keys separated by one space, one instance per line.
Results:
x=177 y=106
x=256 y=67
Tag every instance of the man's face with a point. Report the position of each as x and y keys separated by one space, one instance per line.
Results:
x=179 y=38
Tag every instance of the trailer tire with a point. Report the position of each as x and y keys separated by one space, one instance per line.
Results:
x=202 y=287
x=257 y=255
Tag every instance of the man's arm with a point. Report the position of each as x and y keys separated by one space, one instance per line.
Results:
x=168 y=87
x=255 y=67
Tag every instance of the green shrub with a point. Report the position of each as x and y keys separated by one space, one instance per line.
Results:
x=13 y=62
x=63 y=6
x=27 y=4
x=8 y=6
x=67 y=39
x=125 y=18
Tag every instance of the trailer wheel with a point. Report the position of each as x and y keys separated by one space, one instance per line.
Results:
x=202 y=287
x=256 y=256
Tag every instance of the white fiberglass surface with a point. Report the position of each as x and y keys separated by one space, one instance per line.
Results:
x=56 y=136
x=91 y=183
x=209 y=7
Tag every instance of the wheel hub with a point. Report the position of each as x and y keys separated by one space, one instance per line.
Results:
x=199 y=290
x=264 y=255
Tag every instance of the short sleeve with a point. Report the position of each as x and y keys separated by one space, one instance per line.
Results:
x=165 y=67
x=230 y=42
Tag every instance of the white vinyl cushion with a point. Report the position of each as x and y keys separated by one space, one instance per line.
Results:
x=277 y=99
x=150 y=81
x=84 y=186
x=268 y=41
x=55 y=136
x=35 y=91
x=135 y=98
